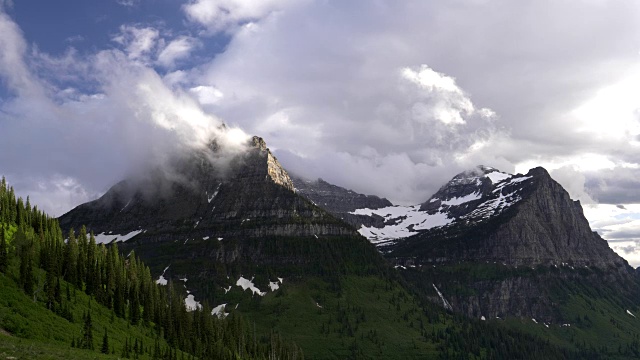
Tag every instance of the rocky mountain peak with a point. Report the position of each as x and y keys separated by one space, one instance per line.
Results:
x=517 y=220
x=275 y=171
x=204 y=190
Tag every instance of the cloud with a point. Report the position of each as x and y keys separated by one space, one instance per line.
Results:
x=574 y=182
x=177 y=49
x=13 y=48
x=508 y=87
x=80 y=143
x=139 y=42
x=620 y=226
x=217 y=15
x=128 y=3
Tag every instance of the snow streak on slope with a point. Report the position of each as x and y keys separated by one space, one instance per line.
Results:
x=103 y=238
x=471 y=196
x=499 y=202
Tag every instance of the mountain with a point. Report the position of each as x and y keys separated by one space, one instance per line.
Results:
x=517 y=220
x=513 y=249
x=341 y=202
x=232 y=232
x=493 y=245
x=205 y=194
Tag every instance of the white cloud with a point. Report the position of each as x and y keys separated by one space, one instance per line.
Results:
x=620 y=225
x=128 y=3
x=177 y=49
x=207 y=95
x=79 y=144
x=12 y=50
x=227 y=14
x=139 y=42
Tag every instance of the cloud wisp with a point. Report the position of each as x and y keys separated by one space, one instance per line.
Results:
x=74 y=144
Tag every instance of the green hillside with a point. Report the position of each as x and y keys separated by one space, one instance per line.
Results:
x=92 y=298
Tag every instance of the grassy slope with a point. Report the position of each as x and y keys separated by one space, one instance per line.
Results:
x=597 y=323
x=31 y=331
x=369 y=318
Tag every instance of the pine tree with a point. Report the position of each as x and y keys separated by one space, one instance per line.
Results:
x=105 y=342
x=70 y=262
x=91 y=276
x=4 y=256
x=82 y=257
x=87 y=332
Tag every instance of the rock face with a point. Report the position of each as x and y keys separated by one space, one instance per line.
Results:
x=247 y=194
x=512 y=245
x=340 y=201
x=525 y=220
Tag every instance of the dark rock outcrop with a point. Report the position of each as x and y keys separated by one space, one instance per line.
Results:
x=340 y=201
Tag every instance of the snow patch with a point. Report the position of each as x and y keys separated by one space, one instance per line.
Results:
x=191 y=304
x=161 y=280
x=273 y=285
x=629 y=312
x=462 y=200
x=205 y=238
x=103 y=238
x=248 y=284
x=219 y=311
x=227 y=289
x=406 y=217
x=280 y=279
x=497 y=176
x=534 y=320
x=482 y=318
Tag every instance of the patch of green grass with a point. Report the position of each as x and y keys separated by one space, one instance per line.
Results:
x=34 y=328
x=367 y=318
x=18 y=349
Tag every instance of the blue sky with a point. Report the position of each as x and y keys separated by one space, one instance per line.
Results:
x=88 y=25
x=383 y=97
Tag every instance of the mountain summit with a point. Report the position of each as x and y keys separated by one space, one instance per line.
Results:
x=207 y=194
x=512 y=219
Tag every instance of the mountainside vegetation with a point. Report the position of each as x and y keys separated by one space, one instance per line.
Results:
x=89 y=296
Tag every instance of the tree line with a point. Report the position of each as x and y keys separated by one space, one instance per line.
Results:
x=122 y=283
